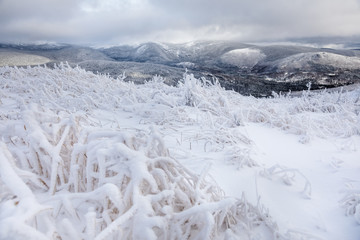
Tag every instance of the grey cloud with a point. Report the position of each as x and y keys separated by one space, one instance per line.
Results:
x=13 y=10
x=118 y=21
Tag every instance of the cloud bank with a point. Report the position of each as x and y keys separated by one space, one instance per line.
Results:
x=132 y=21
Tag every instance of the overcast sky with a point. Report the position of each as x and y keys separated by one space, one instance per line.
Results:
x=134 y=21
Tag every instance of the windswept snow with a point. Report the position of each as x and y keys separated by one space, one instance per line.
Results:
x=243 y=58
x=85 y=156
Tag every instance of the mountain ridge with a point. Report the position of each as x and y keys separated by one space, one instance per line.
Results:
x=247 y=68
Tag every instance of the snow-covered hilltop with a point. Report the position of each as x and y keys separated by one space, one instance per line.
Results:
x=243 y=58
x=85 y=156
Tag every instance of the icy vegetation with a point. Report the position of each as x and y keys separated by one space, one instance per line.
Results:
x=85 y=156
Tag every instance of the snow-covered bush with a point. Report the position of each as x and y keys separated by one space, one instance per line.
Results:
x=324 y=114
x=62 y=178
x=70 y=169
x=288 y=176
x=64 y=175
x=351 y=203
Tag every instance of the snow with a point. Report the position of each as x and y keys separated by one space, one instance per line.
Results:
x=85 y=156
x=302 y=61
x=142 y=49
x=186 y=64
x=327 y=164
x=9 y=58
x=243 y=58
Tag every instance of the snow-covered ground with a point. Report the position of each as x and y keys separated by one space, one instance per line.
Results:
x=85 y=156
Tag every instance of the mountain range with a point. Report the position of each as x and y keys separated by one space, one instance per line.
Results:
x=250 y=69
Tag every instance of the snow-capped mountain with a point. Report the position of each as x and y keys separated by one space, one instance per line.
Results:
x=243 y=58
x=247 y=68
x=307 y=61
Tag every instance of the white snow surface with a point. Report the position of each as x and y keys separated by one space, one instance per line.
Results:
x=85 y=156
x=243 y=58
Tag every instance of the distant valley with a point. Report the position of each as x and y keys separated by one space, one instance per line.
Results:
x=256 y=70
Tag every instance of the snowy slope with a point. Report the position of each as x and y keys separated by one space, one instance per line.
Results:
x=305 y=61
x=243 y=58
x=11 y=58
x=85 y=156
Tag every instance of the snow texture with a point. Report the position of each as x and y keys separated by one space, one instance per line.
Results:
x=85 y=156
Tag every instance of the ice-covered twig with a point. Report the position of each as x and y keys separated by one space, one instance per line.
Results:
x=288 y=177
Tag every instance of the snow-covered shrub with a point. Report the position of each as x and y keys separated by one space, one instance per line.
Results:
x=323 y=114
x=203 y=104
x=68 y=172
x=288 y=176
x=351 y=203
x=63 y=178
x=208 y=97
